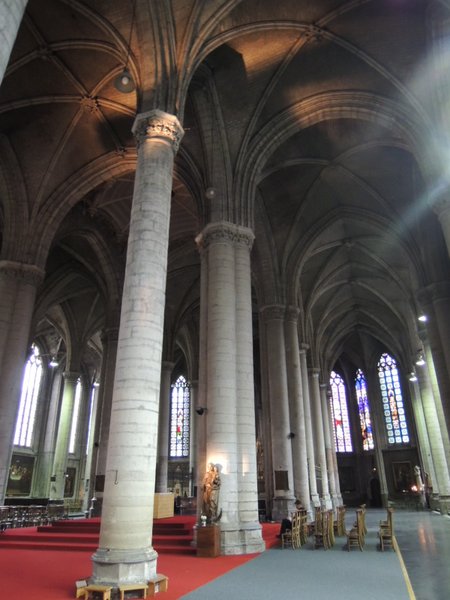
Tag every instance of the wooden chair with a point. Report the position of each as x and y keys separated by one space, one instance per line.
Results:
x=291 y=537
x=386 y=531
x=355 y=537
x=322 y=530
x=303 y=527
x=339 y=523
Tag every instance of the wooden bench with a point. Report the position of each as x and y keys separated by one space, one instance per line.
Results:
x=159 y=584
x=87 y=591
x=133 y=587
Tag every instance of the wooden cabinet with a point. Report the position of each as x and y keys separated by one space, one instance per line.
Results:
x=208 y=541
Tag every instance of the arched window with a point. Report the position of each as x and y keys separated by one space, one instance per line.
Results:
x=75 y=416
x=364 y=410
x=23 y=435
x=339 y=411
x=179 y=419
x=393 y=407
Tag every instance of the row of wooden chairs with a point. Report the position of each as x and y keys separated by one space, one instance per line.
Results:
x=12 y=517
x=297 y=536
x=357 y=534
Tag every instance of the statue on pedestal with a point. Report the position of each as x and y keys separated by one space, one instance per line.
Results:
x=211 y=489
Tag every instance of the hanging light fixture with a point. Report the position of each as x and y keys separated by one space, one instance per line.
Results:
x=422 y=318
x=53 y=362
x=124 y=82
x=420 y=361
x=412 y=376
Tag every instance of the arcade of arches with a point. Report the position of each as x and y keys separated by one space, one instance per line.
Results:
x=226 y=249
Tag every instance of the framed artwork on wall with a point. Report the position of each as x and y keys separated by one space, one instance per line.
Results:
x=403 y=476
x=20 y=475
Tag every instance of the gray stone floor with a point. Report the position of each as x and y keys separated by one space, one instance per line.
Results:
x=424 y=541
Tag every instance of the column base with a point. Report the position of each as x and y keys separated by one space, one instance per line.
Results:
x=117 y=567
x=282 y=507
x=241 y=538
x=326 y=502
x=444 y=505
x=315 y=500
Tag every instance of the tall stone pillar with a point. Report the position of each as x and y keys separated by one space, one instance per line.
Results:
x=229 y=398
x=193 y=436
x=275 y=352
x=309 y=427
x=18 y=284
x=125 y=553
x=163 y=428
x=297 y=411
x=110 y=338
x=435 y=301
x=330 y=450
x=441 y=467
x=11 y=13
x=46 y=454
x=58 y=479
x=318 y=421
x=442 y=208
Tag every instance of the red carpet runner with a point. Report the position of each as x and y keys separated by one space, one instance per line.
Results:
x=49 y=574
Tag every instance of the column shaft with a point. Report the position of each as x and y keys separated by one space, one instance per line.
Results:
x=283 y=502
x=318 y=421
x=297 y=411
x=62 y=439
x=10 y=18
x=309 y=428
x=18 y=284
x=125 y=553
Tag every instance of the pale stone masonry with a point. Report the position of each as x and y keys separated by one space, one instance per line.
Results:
x=125 y=553
x=227 y=381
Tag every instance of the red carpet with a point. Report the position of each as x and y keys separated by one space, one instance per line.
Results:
x=51 y=574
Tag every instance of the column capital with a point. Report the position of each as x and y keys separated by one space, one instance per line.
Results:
x=272 y=312
x=304 y=347
x=435 y=291
x=292 y=313
x=158 y=124
x=167 y=365
x=27 y=273
x=441 y=205
x=224 y=231
x=70 y=376
x=314 y=372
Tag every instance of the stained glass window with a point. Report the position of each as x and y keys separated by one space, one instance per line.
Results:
x=23 y=435
x=393 y=407
x=339 y=412
x=179 y=419
x=364 y=411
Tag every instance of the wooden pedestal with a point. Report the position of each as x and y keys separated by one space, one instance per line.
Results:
x=163 y=506
x=208 y=541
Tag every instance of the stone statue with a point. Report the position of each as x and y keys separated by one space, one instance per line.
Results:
x=211 y=489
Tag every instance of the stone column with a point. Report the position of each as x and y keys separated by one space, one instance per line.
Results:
x=163 y=428
x=441 y=478
x=318 y=423
x=283 y=502
x=247 y=477
x=435 y=301
x=44 y=468
x=309 y=427
x=228 y=416
x=109 y=338
x=193 y=435
x=297 y=411
x=442 y=208
x=89 y=472
x=330 y=451
x=58 y=479
x=125 y=553
x=18 y=284
x=11 y=13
